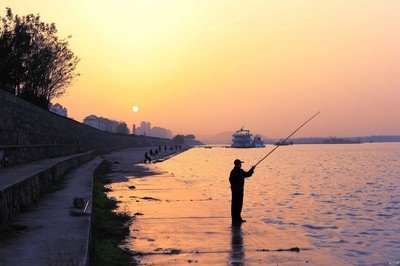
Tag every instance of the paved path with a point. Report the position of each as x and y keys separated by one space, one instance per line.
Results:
x=47 y=234
x=17 y=173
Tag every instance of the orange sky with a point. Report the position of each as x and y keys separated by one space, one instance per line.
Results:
x=204 y=67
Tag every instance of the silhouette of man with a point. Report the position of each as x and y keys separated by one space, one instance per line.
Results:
x=236 y=178
x=147 y=158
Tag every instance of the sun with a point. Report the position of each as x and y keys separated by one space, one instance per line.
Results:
x=135 y=108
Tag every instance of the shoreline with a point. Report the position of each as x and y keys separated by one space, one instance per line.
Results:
x=109 y=228
x=110 y=224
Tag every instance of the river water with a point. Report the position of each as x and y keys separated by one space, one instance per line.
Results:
x=340 y=201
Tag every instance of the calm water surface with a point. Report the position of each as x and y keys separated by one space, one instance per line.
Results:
x=342 y=197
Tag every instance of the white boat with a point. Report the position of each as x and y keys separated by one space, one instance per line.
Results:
x=243 y=138
x=258 y=143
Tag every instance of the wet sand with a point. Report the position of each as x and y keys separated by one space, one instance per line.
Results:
x=176 y=224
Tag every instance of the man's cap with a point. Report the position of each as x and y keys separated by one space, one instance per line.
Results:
x=237 y=162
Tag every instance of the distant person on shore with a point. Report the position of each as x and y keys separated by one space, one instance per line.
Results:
x=147 y=158
x=236 y=178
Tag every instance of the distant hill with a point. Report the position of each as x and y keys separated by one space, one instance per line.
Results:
x=220 y=138
x=193 y=142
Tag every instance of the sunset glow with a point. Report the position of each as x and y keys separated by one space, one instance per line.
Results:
x=204 y=67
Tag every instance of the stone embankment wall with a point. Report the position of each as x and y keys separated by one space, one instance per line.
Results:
x=29 y=133
x=19 y=194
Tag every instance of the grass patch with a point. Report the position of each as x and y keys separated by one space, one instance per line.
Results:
x=108 y=227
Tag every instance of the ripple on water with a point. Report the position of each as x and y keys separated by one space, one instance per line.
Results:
x=313 y=227
x=341 y=241
x=364 y=219
x=392 y=244
x=385 y=215
x=319 y=236
x=375 y=229
x=315 y=195
x=354 y=252
x=272 y=221
x=297 y=194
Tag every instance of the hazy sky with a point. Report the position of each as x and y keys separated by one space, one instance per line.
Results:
x=209 y=66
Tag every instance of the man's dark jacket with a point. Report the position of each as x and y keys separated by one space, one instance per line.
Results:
x=236 y=178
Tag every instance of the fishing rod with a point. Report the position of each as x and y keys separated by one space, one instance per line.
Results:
x=283 y=141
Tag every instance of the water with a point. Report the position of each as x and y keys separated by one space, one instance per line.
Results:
x=343 y=199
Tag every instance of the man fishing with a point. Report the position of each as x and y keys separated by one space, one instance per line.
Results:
x=238 y=175
x=236 y=179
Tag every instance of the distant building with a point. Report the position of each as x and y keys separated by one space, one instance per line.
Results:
x=101 y=123
x=160 y=132
x=145 y=129
x=58 y=109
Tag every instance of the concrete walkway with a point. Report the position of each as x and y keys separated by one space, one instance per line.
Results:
x=47 y=234
x=15 y=174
